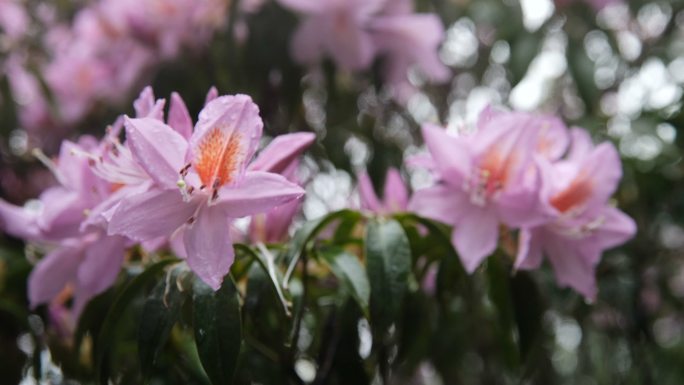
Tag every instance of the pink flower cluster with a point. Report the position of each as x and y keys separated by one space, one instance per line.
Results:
x=529 y=173
x=355 y=32
x=104 y=53
x=169 y=183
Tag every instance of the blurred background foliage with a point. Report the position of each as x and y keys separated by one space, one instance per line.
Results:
x=618 y=72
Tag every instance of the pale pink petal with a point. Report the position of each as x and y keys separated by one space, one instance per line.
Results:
x=441 y=203
x=553 y=139
x=581 y=144
x=211 y=95
x=99 y=268
x=351 y=46
x=259 y=192
x=615 y=228
x=52 y=273
x=308 y=43
x=452 y=158
x=475 y=237
x=572 y=267
x=152 y=214
x=369 y=200
x=529 y=249
x=179 y=117
x=158 y=149
x=282 y=151
x=18 y=221
x=209 y=247
x=144 y=103
x=396 y=193
x=604 y=169
x=225 y=139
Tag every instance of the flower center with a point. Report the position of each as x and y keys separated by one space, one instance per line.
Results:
x=574 y=195
x=490 y=177
x=217 y=158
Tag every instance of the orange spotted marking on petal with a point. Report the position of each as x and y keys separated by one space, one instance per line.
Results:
x=574 y=195
x=217 y=157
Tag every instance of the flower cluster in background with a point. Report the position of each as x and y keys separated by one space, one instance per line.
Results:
x=99 y=57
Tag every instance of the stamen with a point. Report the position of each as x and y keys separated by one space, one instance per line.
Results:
x=49 y=164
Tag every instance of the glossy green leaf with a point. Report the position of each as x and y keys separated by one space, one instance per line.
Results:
x=218 y=329
x=350 y=272
x=159 y=314
x=309 y=231
x=388 y=257
x=106 y=339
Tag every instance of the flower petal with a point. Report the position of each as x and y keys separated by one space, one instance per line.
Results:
x=369 y=199
x=441 y=203
x=158 y=149
x=209 y=247
x=616 y=229
x=18 y=222
x=281 y=152
x=307 y=44
x=259 y=192
x=452 y=157
x=179 y=117
x=99 y=269
x=52 y=273
x=529 y=249
x=225 y=139
x=573 y=267
x=395 y=193
x=152 y=214
x=476 y=237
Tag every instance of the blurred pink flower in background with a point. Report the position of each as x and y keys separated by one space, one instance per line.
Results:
x=14 y=21
x=585 y=223
x=486 y=179
x=108 y=49
x=394 y=198
x=356 y=32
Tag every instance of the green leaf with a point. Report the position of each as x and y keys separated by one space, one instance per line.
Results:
x=350 y=272
x=159 y=314
x=218 y=329
x=309 y=231
x=388 y=257
x=500 y=295
x=106 y=339
x=266 y=261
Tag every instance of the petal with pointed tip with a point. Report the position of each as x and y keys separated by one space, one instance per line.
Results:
x=209 y=247
x=282 y=152
x=179 y=117
x=158 y=149
x=259 y=192
x=152 y=214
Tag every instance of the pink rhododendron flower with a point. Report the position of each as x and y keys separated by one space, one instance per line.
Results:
x=394 y=199
x=281 y=156
x=486 y=179
x=200 y=185
x=83 y=259
x=585 y=224
x=107 y=49
x=354 y=32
